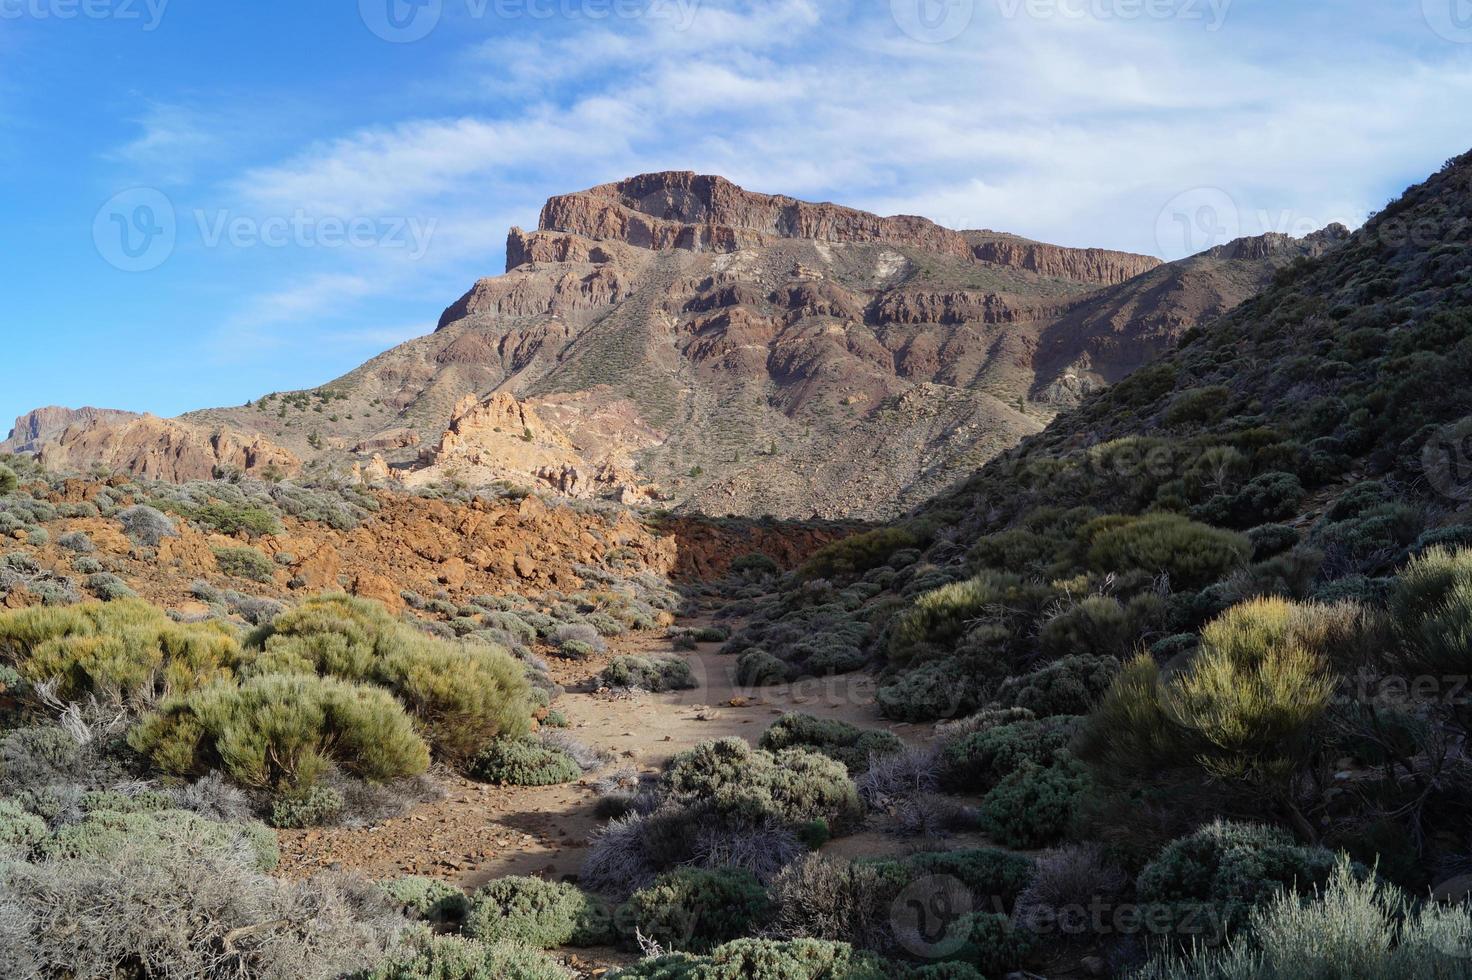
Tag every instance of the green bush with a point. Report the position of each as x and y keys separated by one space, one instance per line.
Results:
x=9 y=482
x=462 y=694
x=536 y=913
x=427 y=898
x=125 y=650
x=764 y=959
x=696 y=910
x=987 y=872
x=758 y=668
x=1232 y=867
x=792 y=785
x=523 y=761
x=1357 y=927
x=429 y=957
x=939 y=689
x=938 y=620
x=282 y=732
x=1071 y=686
x=246 y=563
x=1244 y=705
x=857 y=554
x=994 y=945
x=232 y=519
x=108 y=587
x=1100 y=626
x=1030 y=807
x=1194 y=555
x=1431 y=604
x=1272 y=539
x=649 y=673
x=312 y=807
x=20 y=832
x=103 y=834
x=849 y=744
x=976 y=762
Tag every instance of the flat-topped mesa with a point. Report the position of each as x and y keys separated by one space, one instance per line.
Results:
x=704 y=213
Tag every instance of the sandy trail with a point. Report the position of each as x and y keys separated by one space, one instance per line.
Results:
x=477 y=833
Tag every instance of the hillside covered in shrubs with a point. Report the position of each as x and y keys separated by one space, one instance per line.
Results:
x=1236 y=586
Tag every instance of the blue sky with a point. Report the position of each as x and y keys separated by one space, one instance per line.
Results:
x=208 y=200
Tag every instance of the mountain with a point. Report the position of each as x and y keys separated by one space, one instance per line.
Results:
x=748 y=353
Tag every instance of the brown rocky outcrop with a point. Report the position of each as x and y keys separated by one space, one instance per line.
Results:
x=1096 y=265
x=388 y=440
x=36 y=427
x=163 y=449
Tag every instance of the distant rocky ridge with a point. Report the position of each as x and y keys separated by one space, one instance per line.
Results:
x=751 y=354
x=163 y=449
x=36 y=427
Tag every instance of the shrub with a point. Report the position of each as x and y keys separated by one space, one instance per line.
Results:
x=939 y=619
x=1272 y=539
x=523 y=762
x=281 y=732
x=536 y=913
x=988 y=873
x=833 y=899
x=762 y=959
x=125 y=649
x=1431 y=603
x=9 y=482
x=20 y=832
x=1030 y=806
x=109 y=588
x=427 y=898
x=429 y=957
x=1098 y=626
x=584 y=636
x=105 y=833
x=1255 y=686
x=939 y=689
x=758 y=668
x=246 y=563
x=1355 y=927
x=650 y=674
x=146 y=525
x=849 y=744
x=792 y=785
x=312 y=807
x=755 y=566
x=1071 y=686
x=1066 y=884
x=977 y=762
x=858 y=554
x=1243 y=706
x=696 y=909
x=77 y=541
x=1232 y=867
x=111 y=912
x=463 y=694
x=233 y=519
x=1194 y=555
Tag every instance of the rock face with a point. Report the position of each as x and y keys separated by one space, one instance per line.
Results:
x=163 y=449
x=755 y=354
x=501 y=439
x=36 y=427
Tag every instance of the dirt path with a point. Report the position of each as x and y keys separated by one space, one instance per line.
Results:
x=478 y=833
